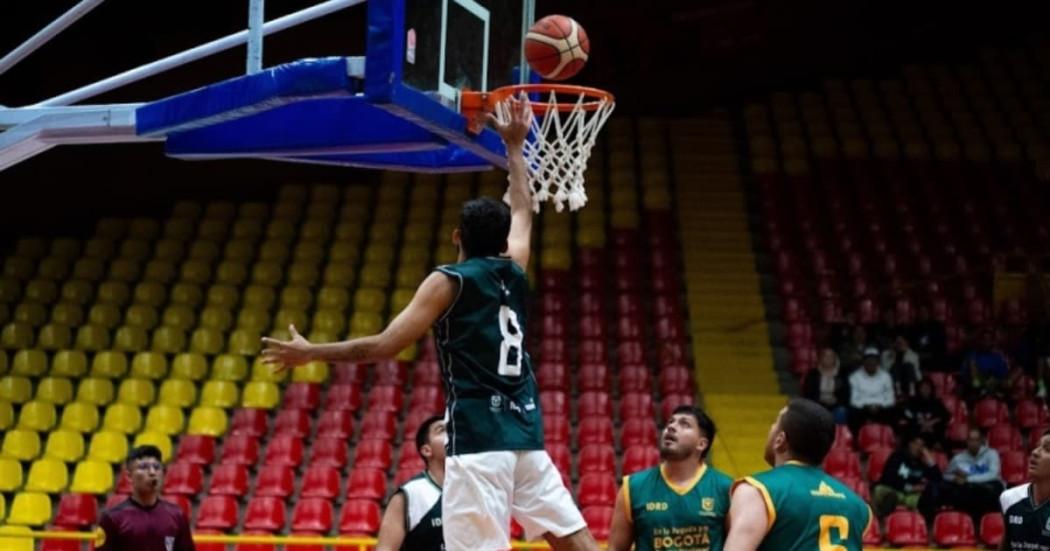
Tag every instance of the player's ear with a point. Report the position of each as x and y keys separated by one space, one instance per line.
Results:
x=426 y=452
x=703 y=444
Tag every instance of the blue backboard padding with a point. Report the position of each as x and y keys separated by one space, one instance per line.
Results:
x=447 y=159
x=245 y=95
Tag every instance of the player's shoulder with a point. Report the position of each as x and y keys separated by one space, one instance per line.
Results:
x=414 y=482
x=718 y=477
x=170 y=507
x=1013 y=496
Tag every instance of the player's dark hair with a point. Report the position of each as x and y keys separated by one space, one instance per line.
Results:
x=142 y=452
x=703 y=421
x=484 y=225
x=810 y=430
x=423 y=433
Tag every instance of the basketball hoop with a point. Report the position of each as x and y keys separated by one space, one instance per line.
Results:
x=564 y=129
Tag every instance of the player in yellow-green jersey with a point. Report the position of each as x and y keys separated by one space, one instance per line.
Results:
x=796 y=506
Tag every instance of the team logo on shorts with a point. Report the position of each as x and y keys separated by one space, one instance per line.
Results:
x=708 y=504
x=169 y=543
x=496 y=402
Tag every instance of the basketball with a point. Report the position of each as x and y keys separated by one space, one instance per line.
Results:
x=556 y=47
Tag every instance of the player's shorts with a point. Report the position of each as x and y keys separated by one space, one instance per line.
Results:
x=482 y=491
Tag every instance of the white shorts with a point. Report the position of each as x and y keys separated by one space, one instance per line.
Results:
x=482 y=491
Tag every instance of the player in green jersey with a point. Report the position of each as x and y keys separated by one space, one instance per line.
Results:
x=797 y=506
x=1026 y=508
x=682 y=504
x=496 y=466
x=412 y=520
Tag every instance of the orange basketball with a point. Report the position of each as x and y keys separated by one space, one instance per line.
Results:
x=556 y=47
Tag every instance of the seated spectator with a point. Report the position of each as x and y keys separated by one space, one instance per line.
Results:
x=907 y=480
x=925 y=415
x=902 y=363
x=871 y=394
x=851 y=354
x=828 y=385
x=984 y=369
x=929 y=340
x=882 y=333
x=972 y=482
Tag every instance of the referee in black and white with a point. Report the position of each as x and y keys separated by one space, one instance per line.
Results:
x=1026 y=508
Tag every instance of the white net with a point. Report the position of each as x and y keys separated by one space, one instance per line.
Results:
x=559 y=146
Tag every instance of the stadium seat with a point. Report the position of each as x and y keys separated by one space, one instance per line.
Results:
x=124 y=418
x=183 y=479
x=15 y=389
x=953 y=529
x=104 y=316
x=302 y=396
x=378 y=424
x=76 y=511
x=859 y=487
x=37 y=415
x=149 y=365
x=598 y=519
x=1029 y=413
x=1004 y=438
x=594 y=430
x=48 y=476
x=229 y=480
x=636 y=405
x=229 y=367
x=189 y=366
x=551 y=376
x=161 y=441
x=79 y=417
x=293 y=422
x=992 y=530
x=260 y=394
x=249 y=422
x=165 y=420
x=218 y=512
x=70 y=364
x=10 y=474
x=592 y=377
x=876 y=463
x=594 y=404
x=98 y=392
x=29 y=509
x=430 y=399
x=143 y=315
x=842 y=463
x=843 y=437
x=263 y=372
x=29 y=363
x=136 y=392
x=672 y=402
x=284 y=451
x=1014 y=467
x=872 y=536
x=637 y=458
x=108 y=446
x=22 y=445
x=92 y=477
x=275 y=481
x=343 y=397
x=366 y=484
x=556 y=429
x=635 y=379
x=7 y=416
x=874 y=435
x=373 y=454
x=335 y=424
x=321 y=482
x=596 y=458
x=53 y=337
x=989 y=412
x=219 y=394
x=359 y=517
x=312 y=515
x=906 y=528
x=180 y=393
x=329 y=452
x=597 y=489
x=64 y=445
x=196 y=449
x=207 y=421
x=554 y=402
x=68 y=314
x=130 y=339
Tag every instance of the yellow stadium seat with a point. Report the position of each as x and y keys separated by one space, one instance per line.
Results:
x=79 y=417
x=220 y=210
x=259 y=296
x=556 y=259
x=363 y=323
x=207 y=421
x=223 y=296
x=10 y=474
x=274 y=251
x=315 y=229
x=310 y=252
x=303 y=273
x=31 y=313
x=221 y=394
x=109 y=364
x=89 y=269
x=165 y=419
x=253 y=211
x=210 y=229
x=92 y=477
x=3 y=363
x=329 y=321
x=5 y=312
x=253 y=319
x=19 y=267
x=53 y=268
x=179 y=316
x=333 y=298
x=141 y=315
x=150 y=293
x=37 y=415
x=288 y=214
x=186 y=294
x=125 y=270
x=267 y=272
x=338 y=274
x=135 y=249
x=101 y=248
x=67 y=313
x=180 y=393
x=136 y=392
x=231 y=273
x=248 y=229
x=64 y=445
x=54 y=390
x=229 y=367
x=375 y=276
x=400 y=299
x=261 y=395
x=10 y=289
x=130 y=339
x=29 y=363
x=296 y=297
x=280 y=229
x=7 y=415
x=345 y=252
x=16 y=335
x=92 y=338
x=108 y=446
x=291 y=316
x=189 y=366
x=124 y=418
x=369 y=300
x=15 y=389
x=415 y=254
x=48 y=476
x=264 y=372
x=169 y=251
x=311 y=372
x=113 y=292
x=168 y=340
x=195 y=271
x=186 y=209
x=105 y=315
x=54 y=337
x=23 y=445
x=239 y=250
x=216 y=317
x=95 y=391
x=161 y=441
x=206 y=340
x=31 y=247
x=149 y=365
x=144 y=228
x=246 y=343
x=30 y=509
x=321 y=336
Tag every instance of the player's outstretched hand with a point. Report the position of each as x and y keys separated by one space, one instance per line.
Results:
x=515 y=129
x=282 y=355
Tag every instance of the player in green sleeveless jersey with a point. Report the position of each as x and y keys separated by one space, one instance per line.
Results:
x=412 y=521
x=680 y=505
x=797 y=506
x=496 y=466
x=1026 y=508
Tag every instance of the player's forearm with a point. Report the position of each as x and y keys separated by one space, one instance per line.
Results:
x=518 y=190
x=363 y=350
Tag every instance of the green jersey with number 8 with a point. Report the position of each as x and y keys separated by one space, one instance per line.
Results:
x=492 y=400
x=808 y=509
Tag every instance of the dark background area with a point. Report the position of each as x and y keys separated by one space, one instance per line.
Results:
x=662 y=57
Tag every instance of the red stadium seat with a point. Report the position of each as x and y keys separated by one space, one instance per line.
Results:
x=875 y=435
x=183 y=479
x=593 y=404
x=554 y=350
x=292 y=422
x=637 y=432
x=115 y=499
x=430 y=399
x=669 y=329
x=597 y=458
x=597 y=489
x=552 y=375
x=359 y=517
x=630 y=353
x=843 y=437
x=408 y=456
x=859 y=487
x=249 y=422
x=876 y=462
x=592 y=351
x=312 y=515
x=1032 y=413
x=1035 y=436
x=629 y=328
x=240 y=449
x=672 y=402
x=391 y=372
x=990 y=411
x=379 y=424
x=386 y=398
x=634 y=378
x=554 y=402
x=957 y=409
x=284 y=451
x=426 y=373
x=229 y=480
x=872 y=536
x=1005 y=437
x=329 y=452
x=593 y=377
x=553 y=326
x=957 y=432
x=636 y=405
x=906 y=528
x=343 y=397
x=197 y=449
x=275 y=481
x=638 y=458
x=595 y=430
x=561 y=456
x=556 y=429
x=265 y=513
x=373 y=454
x=217 y=513
x=404 y=475
x=599 y=519
x=413 y=421
x=591 y=327
x=842 y=463
x=366 y=484
x=1014 y=467
x=992 y=530
x=349 y=374
x=953 y=529
x=77 y=510
x=675 y=380
x=256 y=546
x=182 y=502
x=302 y=396
x=336 y=424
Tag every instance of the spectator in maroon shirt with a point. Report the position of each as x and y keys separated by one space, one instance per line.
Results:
x=144 y=522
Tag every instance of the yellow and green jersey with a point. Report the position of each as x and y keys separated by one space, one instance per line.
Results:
x=669 y=517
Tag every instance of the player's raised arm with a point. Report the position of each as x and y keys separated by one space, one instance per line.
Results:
x=621 y=532
x=392 y=530
x=514 y=132
x=749 y=519
x=433 y=297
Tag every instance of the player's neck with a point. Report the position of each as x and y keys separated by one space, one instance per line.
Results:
x=146 y=500
x=437 y=473
x=681 y=471
x=1040 y=491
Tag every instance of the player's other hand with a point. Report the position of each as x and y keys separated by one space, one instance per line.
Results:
x=282 y=355
x=516 y=127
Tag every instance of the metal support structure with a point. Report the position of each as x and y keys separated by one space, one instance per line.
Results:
x=47 y=33
x=255 y=35
x=193 y=54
